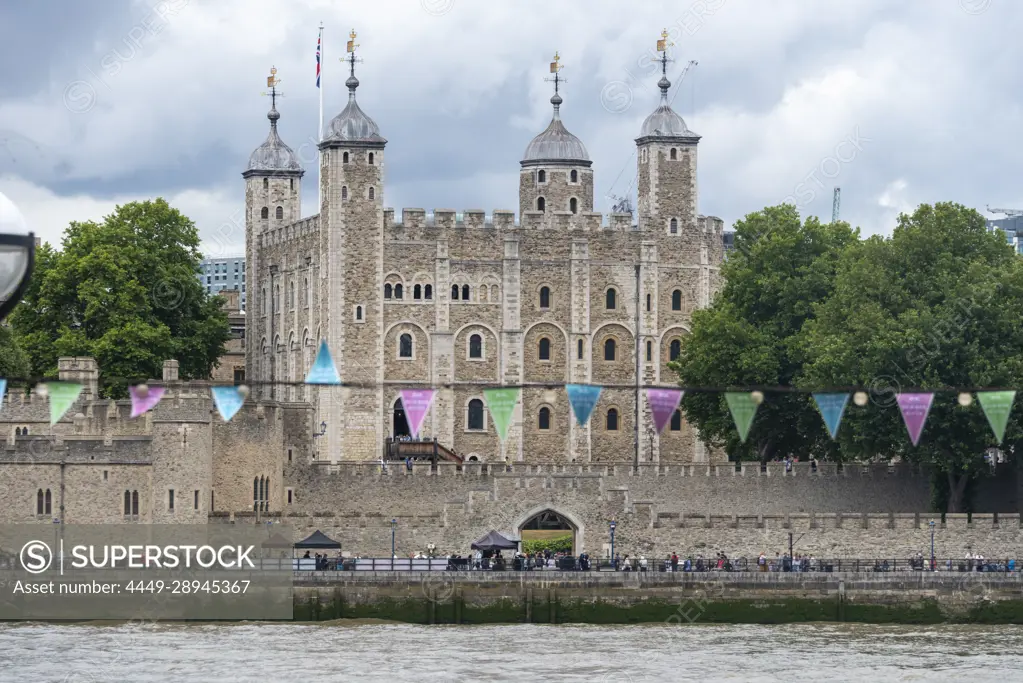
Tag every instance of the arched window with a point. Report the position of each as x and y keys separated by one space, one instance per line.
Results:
x=609 y=349
x=264 y=301
x=573 y=205
x=544 y=420
x=676 y=300
x=417 y=292
x=675 y=349
x=127 y=502
x=541 y=204
x=673 y=226
x=611 y=299
x=612 y=420
x=134 y=502
x=399 y=293
x=674 y=154
x=39 y=502
x=280 y=212
x=428 y=292
x=292 y=183
x=344 y=193
x=475 y=346
x=493 y=293
x=305 y=292
x=264 y=213
x=358 y=312
x=573 y=176
x=676 y=421
x=454 y=292
x=475 y=420
x=17 y=431
x=648 y=300
x=344 y=158
x=649 y=351
x=24 y=431
x=387 y=291
x=266 y=183
x=541 y=176
x=255 y=493
x=371 y=158
x=579 y=349
x=405 y=346
x=545 y=348
x=372 y=193
x=49 y=507
x=545 y=297
x=291 y=295
x=465 y=292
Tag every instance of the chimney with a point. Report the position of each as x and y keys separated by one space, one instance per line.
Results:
x=170 y=371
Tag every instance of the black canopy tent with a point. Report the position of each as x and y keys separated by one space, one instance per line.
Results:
x=319 y=541
x=494 y=541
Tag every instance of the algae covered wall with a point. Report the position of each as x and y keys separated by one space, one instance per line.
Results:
x=560 y=598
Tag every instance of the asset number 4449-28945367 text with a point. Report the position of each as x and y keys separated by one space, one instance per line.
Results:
x=186 y=587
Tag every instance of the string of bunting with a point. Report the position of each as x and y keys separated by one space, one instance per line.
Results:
x=915 y=406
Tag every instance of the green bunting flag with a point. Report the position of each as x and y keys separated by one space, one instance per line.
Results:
x=501 y=404
x=62 y=397
x=997 y=405
x=743 y=409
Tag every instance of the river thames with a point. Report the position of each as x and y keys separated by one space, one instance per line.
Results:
x=595 y=654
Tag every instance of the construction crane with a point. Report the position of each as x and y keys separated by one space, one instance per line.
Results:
x=621 y=204
x=678 y=83
x=836 y=204
x=1011 y=213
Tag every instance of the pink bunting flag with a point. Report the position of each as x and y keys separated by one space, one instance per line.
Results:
x=416 y=404
x=663 y=404
x=915 y=408
x=144 y=399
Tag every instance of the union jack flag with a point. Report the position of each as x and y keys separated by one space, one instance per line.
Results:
x=320 y=37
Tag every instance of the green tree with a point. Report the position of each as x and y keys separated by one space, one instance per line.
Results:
x=125 y=292
x=779 y=269
x=13 y=359
x=938 y=304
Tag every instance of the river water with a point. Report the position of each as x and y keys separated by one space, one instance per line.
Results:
x=595 y=654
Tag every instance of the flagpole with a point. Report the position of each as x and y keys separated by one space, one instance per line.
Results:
x=319 y=131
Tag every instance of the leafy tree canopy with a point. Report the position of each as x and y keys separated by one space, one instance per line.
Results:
x=125 y=292
x=13 y=359
x=779 y=269
x=938 y=304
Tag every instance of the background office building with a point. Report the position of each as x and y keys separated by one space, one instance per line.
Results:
x=224 y=273
x=1012 y=228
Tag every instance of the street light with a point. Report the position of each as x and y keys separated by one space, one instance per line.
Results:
x=394 y=526
x=612 y=524
x=17 y=258
x=323 y=430
x=931 y=524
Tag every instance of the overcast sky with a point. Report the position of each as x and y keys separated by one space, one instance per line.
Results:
x=896 y=102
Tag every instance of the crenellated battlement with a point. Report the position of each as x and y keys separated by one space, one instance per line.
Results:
x=299 y=230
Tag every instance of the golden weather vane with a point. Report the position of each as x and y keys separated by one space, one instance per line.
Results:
x=556 y=65
x=271 y=82
x=663 y=44
x=351 y=41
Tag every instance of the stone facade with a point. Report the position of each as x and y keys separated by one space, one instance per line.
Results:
x=559 y=294
x=231 y=365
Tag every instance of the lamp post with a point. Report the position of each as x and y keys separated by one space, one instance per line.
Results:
x=17 y=258
x=611 y=525
x=394 y=526
x=931 y=524
x=323 y=430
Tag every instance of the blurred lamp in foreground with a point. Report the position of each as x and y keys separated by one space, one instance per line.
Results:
x=17 y=256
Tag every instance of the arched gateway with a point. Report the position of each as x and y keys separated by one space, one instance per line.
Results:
x=546 y=523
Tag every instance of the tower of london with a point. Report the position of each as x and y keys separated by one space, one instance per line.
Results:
x=465 y=299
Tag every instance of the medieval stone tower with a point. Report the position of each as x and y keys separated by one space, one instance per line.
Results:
x=463 y=300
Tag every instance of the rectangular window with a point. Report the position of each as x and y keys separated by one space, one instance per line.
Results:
x=105 y=473
x=289 y=455
x=196 y=503
x=289 y=496
x=170 y=500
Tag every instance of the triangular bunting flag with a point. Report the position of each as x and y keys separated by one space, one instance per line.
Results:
x=743 y=408
x=323 y=371
x=583 y=398
x=416 y=404
x=996 y=404
x=229 y=401
x=663 y=404
x=832 y=407
x=144 y=399
x=915 y=408
x=501 y=404
x=3 y=388
x=62 y=397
